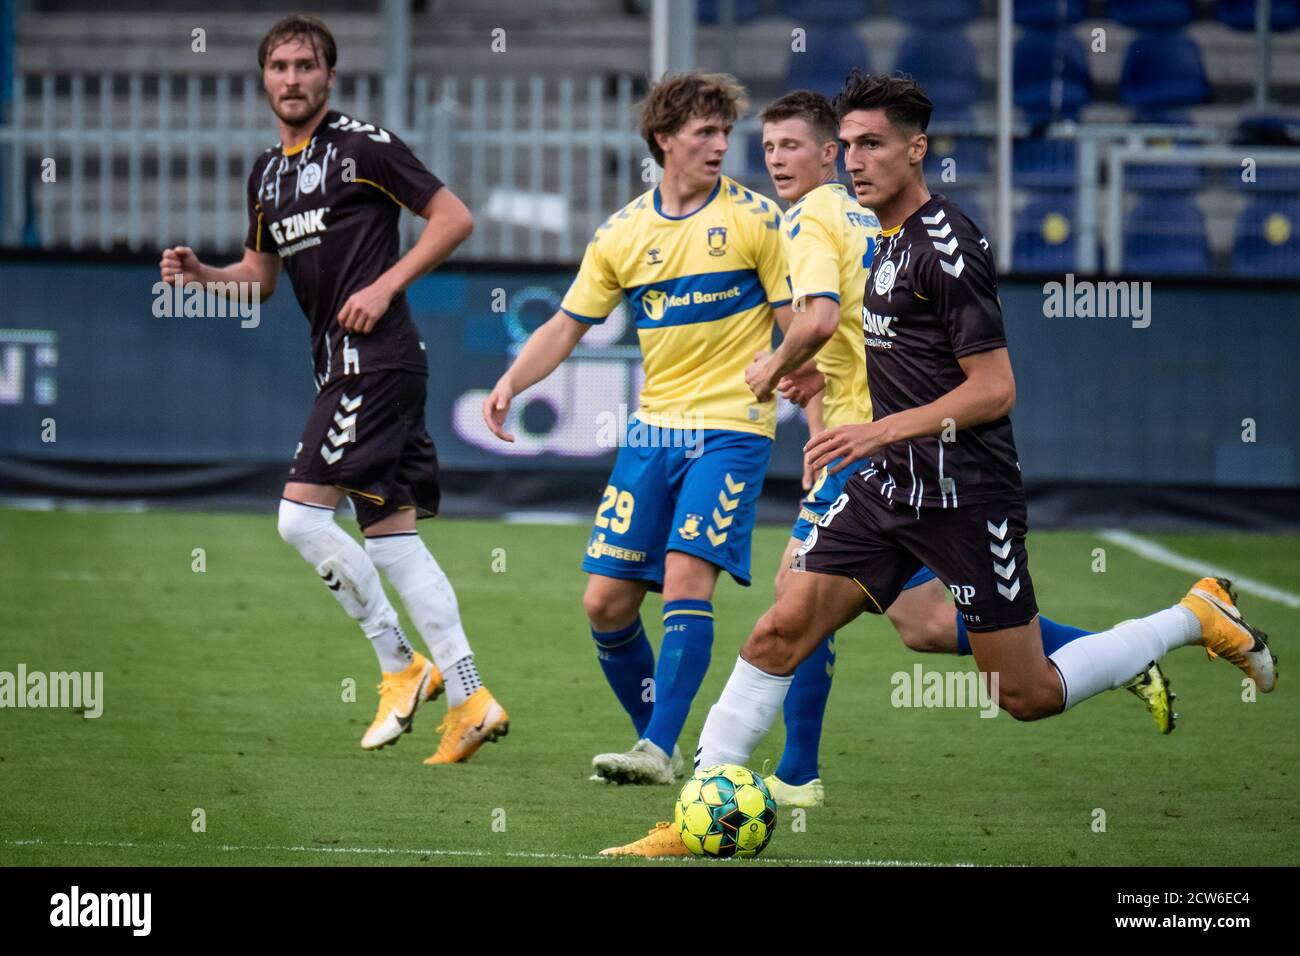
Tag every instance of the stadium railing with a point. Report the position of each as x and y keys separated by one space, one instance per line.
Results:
x=142 y=160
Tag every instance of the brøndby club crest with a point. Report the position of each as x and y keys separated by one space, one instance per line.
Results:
x=717 y=240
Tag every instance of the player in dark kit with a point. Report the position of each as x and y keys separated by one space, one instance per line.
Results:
x=943 y=489
x=326 y=203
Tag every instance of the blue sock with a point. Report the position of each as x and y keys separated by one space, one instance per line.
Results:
x=1055 y=636
x=628 y=661
x=805 y=705
x=683 y=659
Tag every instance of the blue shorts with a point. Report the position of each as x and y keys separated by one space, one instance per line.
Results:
x=700 y=499
x=814 y=505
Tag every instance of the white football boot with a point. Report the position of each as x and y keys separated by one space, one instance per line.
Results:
x=807 y=795
x=644 y=763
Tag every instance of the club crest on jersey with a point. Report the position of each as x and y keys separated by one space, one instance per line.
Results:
x=691 y=529
x=717 y=240
x=309 y=177
x=653 y=304
x=885 y=276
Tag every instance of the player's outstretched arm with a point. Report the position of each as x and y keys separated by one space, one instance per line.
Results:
x=262 y=268
x=449 y=224
x=987 y=394
x=541 y=355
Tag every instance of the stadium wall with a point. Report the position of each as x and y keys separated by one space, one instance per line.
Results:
x=1172 y=413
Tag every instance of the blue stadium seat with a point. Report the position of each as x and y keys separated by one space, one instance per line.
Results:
x=1165 y=235
x=830 y=54
x=842 y=12
x=970 y=156
x=1045 y=237
x=706 y=11
x=1049 y=14
x=1158 y=177
x=1240 y=14
x=942 y=61
x=949 y=13
x=1153 y=14
x=1268 y=179
x=1162 y=71
x=1041 y=163
x=1050 y=76
x=1268 y=240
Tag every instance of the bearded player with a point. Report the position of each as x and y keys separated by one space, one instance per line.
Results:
x=936 y=353
x=326 y=203
x=830 y=240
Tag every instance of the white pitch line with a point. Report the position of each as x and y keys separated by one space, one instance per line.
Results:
x=545 y=517
x=400 y=851
x=1146 y=548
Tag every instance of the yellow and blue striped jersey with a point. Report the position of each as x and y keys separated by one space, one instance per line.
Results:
x=829 y=242
x=701 y=289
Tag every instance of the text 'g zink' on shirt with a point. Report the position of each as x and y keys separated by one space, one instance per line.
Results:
x=829 y=242
x=330 y=209
x=932 y=298
x=701 y=289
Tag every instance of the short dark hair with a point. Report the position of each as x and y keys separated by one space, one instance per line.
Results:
x=300 y=26
x=905 y=104
x=680 y=97
x=813 y=108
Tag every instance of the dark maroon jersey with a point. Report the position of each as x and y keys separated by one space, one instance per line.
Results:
x=932 y=298
x=330 y=209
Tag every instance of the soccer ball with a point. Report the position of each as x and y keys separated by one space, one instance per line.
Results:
x=725 y=811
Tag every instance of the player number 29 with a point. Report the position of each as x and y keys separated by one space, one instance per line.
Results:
x=622 y=503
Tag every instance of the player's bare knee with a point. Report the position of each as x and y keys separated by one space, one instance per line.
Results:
x=1025 y=703
x=608 y=610
x=914 y=638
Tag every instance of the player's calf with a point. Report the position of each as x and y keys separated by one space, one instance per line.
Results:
x=781 y=640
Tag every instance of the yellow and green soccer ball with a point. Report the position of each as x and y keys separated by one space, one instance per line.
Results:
x=725 y=811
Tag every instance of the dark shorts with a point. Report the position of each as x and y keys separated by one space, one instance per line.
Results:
x=366 y=437
x=977 y=550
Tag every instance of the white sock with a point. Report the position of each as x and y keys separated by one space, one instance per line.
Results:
x=742 y=716
x=1098 y=662
x=431 y=603
x=350 y=576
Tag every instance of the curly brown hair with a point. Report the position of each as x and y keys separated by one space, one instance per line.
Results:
x=302 y=27
x=680 y=97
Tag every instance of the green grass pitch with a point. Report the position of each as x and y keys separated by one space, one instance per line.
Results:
x=223 y=691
